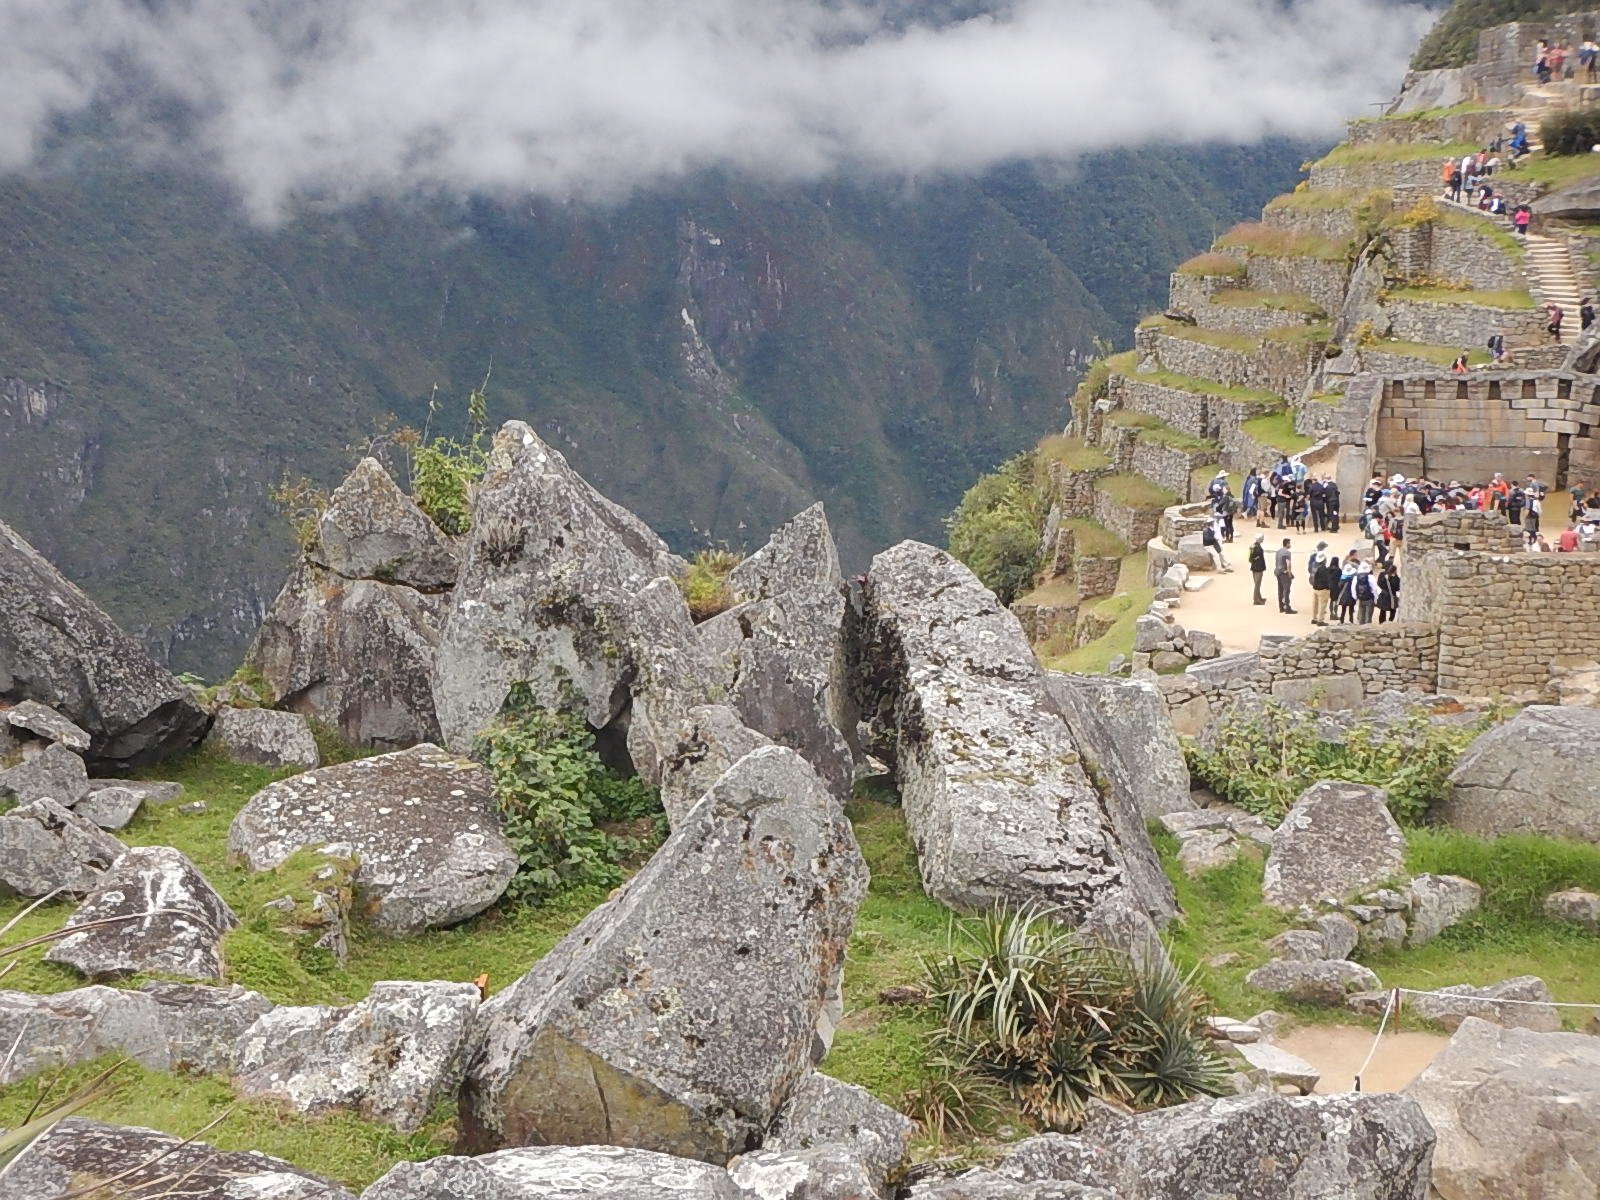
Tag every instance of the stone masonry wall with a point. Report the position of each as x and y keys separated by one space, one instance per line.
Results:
x=1238 y=318
x=1135 y=526
x=1370 y=176
x=1429 y=542
x=1168 y=467
x=1464 y=325
x=1336 y=224
x=1321 y=280
x=1187 y=292
x=1184 y=411
x=1454 y=253
x=1478 y=127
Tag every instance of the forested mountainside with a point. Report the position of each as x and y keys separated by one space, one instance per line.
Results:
x=715 y=356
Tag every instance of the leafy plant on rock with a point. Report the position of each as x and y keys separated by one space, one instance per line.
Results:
x=705 y=585
x=1057 y=1021
x=556 y=796
x=444 y=470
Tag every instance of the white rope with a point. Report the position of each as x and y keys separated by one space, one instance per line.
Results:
x=1388 y=1009
x=1470 y=999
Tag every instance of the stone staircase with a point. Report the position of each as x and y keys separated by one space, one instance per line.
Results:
x=1551 y=275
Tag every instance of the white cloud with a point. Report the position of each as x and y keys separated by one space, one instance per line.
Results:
x=593 y=98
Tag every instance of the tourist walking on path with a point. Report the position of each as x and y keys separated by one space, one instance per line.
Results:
x=1346 y=588
x=1388 y=593
x=1213 y=545
x=1283 y=568
x=1258 y=567
x=1585 y=313
x=1317 y=577
x=1330 y=503
x=1316 y=497
x=1521 y=219
x=1553 y=316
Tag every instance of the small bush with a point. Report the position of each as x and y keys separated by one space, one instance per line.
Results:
x=555 y=794
x=1057 y=1022
x=444 y=471
x=1575 y=131
x=1263 y=760
x=996 y=529
x=303 y=502
x=705 y=584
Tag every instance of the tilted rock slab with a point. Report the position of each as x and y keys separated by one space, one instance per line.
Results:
x=56 y=774
x=170 y=920
x=421 y=824
x=34 y=718
x=163 y=1026
x=372 y=530
x=1517 y=1114
x=45 y=846
x=391 y=1057
x=264 y=736
x=822 y=1111
x=153 y=1164
x=709 y=740
x=556 y=1173
x=680 y=1015
x=995 y=796
x=59 y=649
x=1338 y=839
x=1536 y=773
x=1122 y=728
x=551 y=576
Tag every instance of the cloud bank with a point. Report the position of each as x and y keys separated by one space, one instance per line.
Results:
x=592 y=99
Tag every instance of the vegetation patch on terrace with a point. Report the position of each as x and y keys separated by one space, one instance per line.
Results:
x=1213 y=263
x=1485 y=298
x=1073 y=454
x=1352 y=154
x=1136 y=491
x=1208 y=387
x=1290 y=302
x=1439 y=356
x=1277 y=430
x=1153 y=429
x=1271 y=241
x=1306 y=198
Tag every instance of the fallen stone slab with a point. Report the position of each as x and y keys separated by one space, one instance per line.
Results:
x=822 y=1111
x=1122 y=728
x=1326 y=982
x=1575 y=906
x=45 y=723
x=57 y=774
x=150 y=792
x=680 y=1015
x=422 y=825
x=1527 y=1004
x=1337 y=840
x=147 y=1163
x=152 y=911
x=556 y=1173
x=1536 y=773
x=823 y=1173
x=45 y=846
x=265 y=737
x=391 y=1057
x=110 y=808
x=1282 y=1068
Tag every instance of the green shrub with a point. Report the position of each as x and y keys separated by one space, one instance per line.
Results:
x=444 y=470
x=555 y=795
x=997 y=527
x=705 y=584
x=1056 y=1022
x=1573 y=131
x=1263 y=760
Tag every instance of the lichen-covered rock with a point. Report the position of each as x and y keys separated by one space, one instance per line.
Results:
x=822 y=1111
x=1436 y=902
x=548 y=596
x=1122 y=729
x=1325 y=982
x=1528 y=1004
x=264 y=736
x=31 y=717
x=372 y=530
x=391 y=1057
x=1299 y=945
x=146 y=1163
x=148 y=791
x=1517 y=1114
x=1536 y=773
x=556 y=1173
x=980 y=1183
x=1575 y=906
x=57 y=774
x=680 y=1015
x=710 y=739
x=1337 y=840
x=356 y=653
x=59 y=649
x=45 y=846
x=996 y=798
x=168 y=920
x=421 y=824
x=823 y=1173
x=111 y=807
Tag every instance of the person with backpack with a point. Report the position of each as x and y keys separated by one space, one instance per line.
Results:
x=1317 y=577
x=1226 y=508
x=1344 y=589
x=1388 y=583
x=1258 y=567
x=1553 y=316
x=1251 y=493
x=1585 y=314
x=1365 y=594
x=1455 y=185
x=1330 y=504
x=1497 y=347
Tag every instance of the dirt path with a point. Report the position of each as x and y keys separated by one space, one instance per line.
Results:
x=1224 y=607
x=1339 y=1050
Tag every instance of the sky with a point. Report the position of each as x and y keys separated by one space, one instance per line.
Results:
x=595 y=99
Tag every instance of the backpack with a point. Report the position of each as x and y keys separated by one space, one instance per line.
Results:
x=1363 y=588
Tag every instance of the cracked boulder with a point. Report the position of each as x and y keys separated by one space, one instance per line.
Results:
x=30 y=718
x=556 y=1173
x=151 y=912
x=392 y=1057
x=59 y=649
x=372 y=530
x=1536 y=773
x=996 y=796
x=44 y=846
x=420 y=823
x=1337 y=840
x=150 y=1164
x=265 y=737
x=680 y=1015
x=1123 y=731
x=823 y=1112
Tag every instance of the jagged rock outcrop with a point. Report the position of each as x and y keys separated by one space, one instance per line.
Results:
x=1536 y=773
x=709 y=740
x=55 y=774
x=169 y=920
x=567 y=1172
x=549 y=595
x=1517 y=1114
x=421 y=824
x=45 y=846
x=1122 y=729
x=1256 y=1147
x=351 y=637
x=996 y=798
x=264 y=736
x=823 y=1112
x=680 y=1015
x=59 y=649
x=148 y=1163
x=163 y=1026
x=392 y=1057
x=1336 y=840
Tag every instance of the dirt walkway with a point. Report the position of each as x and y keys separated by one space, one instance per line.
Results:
x=1339 y=1050
x=1224 y=607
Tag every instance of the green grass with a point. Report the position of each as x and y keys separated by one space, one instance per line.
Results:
x=1292 y=302
x=1241 y=343
x=1131 y=601
x=1310 y=199
x=1505 y=298
x=1136 y=491
x=1274 y=242
x=1213 y=263
x=1430 y=114
x=1348 y=153
x=1310 y=335
x=1209 y=387
x=1558 y=170
x=1090 y=539
x=1060 y=592
x=1441 y=356
x=1072 y=453
x=1153 y=429
x=1277 y=430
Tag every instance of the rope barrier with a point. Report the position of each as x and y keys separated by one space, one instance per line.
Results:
x=1388 y=1009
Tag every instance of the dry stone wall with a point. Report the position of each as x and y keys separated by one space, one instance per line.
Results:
x=1321 y=280
x=1168 y=467
x=1377 y=176
x=1465 y=325
x=1452 y=252
x=1480 y=127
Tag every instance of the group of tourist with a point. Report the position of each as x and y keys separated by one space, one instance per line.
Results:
x=1388 y=502
x=1556 y=61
